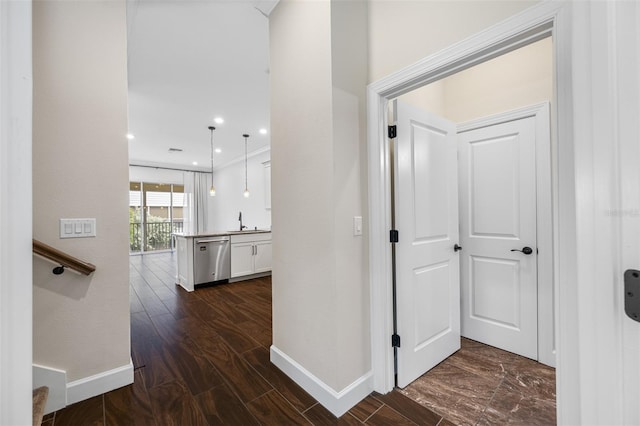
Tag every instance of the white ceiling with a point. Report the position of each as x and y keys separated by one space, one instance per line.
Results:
x=191 y=61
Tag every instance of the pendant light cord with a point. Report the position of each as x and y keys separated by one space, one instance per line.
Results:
x=245 y=162
x=212 y=129
x=212 y=190
x=246 y=186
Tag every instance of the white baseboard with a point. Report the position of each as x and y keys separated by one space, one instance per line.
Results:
x=336 y=402
x=56 y=381
x=88 y=387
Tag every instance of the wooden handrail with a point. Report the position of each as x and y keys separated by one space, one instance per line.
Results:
x=64 y=259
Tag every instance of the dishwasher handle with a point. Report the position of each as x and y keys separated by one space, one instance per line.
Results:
x=217 y=240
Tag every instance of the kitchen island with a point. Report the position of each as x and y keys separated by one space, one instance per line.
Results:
x=217 y=257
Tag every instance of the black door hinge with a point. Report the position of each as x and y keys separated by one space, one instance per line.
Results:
x=395 y=340
x=632 y=294
x=393 y=236
x=392 y=132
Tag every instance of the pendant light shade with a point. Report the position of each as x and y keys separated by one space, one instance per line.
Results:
x=212 y=190
x=246 y=188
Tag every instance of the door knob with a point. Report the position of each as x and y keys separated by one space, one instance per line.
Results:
x=525 y=250
x=457 y=248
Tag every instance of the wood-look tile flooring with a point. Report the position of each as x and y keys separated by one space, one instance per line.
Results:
x=202 y=358
x=482 y=385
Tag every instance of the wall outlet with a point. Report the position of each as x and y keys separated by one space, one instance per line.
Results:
x=77 y=228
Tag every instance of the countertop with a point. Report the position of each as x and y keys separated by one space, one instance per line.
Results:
x=222 y=233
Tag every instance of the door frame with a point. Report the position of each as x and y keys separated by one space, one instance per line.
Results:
x=546 y=211
x=538 y=22
x=15 y=213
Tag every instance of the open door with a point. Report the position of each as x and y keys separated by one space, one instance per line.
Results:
x=426 y=217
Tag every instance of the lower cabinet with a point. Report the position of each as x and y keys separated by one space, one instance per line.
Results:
x=262 y=257
x=250 y=254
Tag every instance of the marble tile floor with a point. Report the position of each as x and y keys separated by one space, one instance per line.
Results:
x=482 y=385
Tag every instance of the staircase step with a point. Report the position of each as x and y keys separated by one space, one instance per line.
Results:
x=39 y=401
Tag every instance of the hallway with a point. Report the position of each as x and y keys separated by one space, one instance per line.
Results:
x=202 y=358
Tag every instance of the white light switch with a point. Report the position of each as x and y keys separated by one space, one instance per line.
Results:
x=357 y=225
x=77 y=228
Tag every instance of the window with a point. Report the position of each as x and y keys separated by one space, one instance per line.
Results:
x=155 y=212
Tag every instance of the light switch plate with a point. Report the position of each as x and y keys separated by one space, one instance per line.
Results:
x=77 y=228
x=357 y=225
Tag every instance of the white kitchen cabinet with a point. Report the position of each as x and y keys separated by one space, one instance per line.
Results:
x=250 y=255
x=262 y=256
x=184 y=248
x=242 y=259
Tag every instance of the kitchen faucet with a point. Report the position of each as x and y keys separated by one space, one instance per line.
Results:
x=240 y=219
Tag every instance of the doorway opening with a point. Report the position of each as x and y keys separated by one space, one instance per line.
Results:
x=534 y=24
x=448 y=131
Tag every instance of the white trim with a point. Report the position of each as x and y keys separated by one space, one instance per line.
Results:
x=100 y=383
x=336 y=402
x=241 y=158
x=56 y=381
x=199 y=169
x=16 y=271
x=545 y=212
x=531 y=25
x=504 y=117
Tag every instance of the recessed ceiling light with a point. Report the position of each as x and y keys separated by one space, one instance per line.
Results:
x=195 y=163
x=130 y=136
x=263 y=131
x=218 y=120
x=218 y=150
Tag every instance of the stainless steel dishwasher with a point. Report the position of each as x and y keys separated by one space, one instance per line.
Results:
x=211 y=259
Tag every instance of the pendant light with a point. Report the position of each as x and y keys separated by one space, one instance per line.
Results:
x=246 y=188
x=212 y=190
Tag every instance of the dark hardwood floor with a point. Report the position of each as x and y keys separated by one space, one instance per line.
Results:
x=202 y=358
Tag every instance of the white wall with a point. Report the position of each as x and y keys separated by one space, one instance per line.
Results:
x=349 y=76
x=304 y=300
x=430 y=97
x=520 y=78
x=320 y=286
x=401 y=32
x=229 y=199
x=80 y=170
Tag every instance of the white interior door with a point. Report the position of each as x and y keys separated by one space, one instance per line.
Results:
x=426 y=216
x=497 y=167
